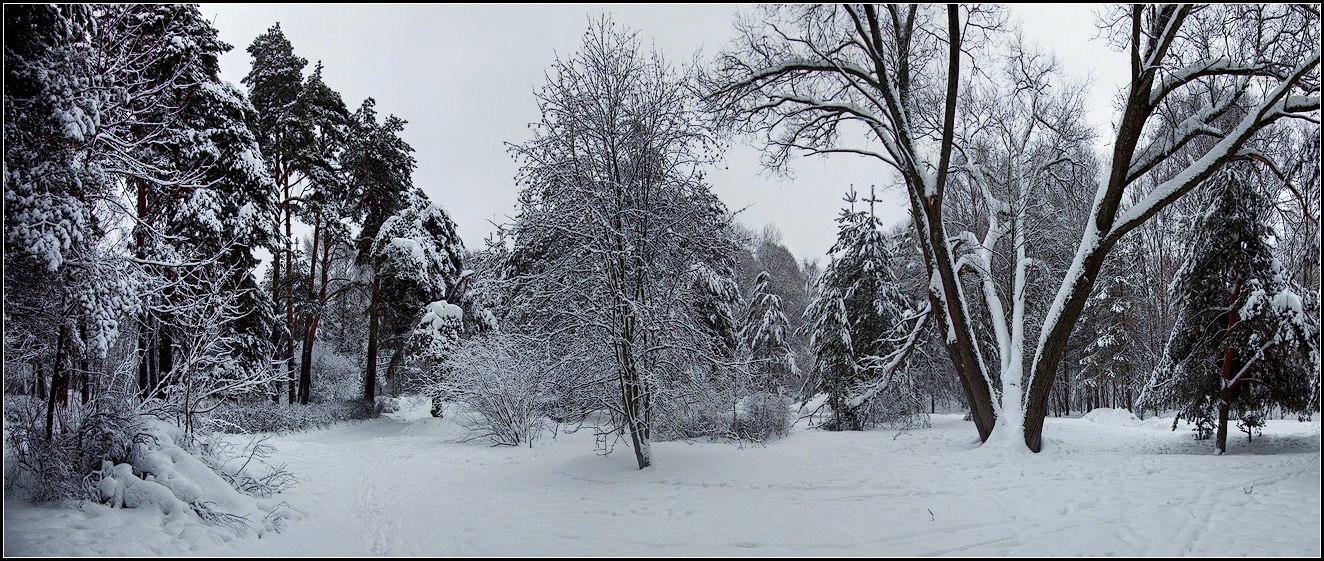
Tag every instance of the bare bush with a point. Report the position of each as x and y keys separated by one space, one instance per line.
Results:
x=245 y=417
x=55 y=468
x=505 y=382
x=247 y=468
x=762 y=417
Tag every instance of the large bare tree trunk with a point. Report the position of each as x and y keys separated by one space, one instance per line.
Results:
x=961 y=346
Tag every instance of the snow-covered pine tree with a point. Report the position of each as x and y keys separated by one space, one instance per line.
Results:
x=275 y=86
x=857 y=321
x=1244 y=340
x=380 y=166
x=417 y=262
x=325 y=202
x=763 y=334
x=1111 y=362
x=202 y=226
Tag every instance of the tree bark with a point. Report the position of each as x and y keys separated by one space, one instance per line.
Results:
x=165 y=362
x=275 y=300
x=961 y=347
x=289 y=294
x=1221 y=441
x=59 y=382
x=314 y=315
x=370 y=373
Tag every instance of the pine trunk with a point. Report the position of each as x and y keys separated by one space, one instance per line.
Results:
x=306 y=364
x=306 y=358
x=275 y=300
x=370 y=373
x=1223 y=408
x=289 y=286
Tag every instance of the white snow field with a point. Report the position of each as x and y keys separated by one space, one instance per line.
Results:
x=404 y=485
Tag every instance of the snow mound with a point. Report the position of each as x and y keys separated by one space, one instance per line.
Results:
x=162 y=476
x=1112 y=417
x=442 y=314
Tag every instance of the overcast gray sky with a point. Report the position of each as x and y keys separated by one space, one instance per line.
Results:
x=463 y=77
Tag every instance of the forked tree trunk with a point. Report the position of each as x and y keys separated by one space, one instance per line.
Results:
x=315 y=316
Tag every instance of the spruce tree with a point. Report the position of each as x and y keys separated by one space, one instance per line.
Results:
x=858 y=317
x=1111 y=360
x=417 y=259
x=763 y=335
x=1245 y=340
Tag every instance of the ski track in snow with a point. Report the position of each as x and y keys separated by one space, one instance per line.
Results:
x=405 y=485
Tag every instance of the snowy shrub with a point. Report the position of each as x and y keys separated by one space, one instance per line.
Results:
x=762 y=417
x=56 y=468
x=695 y=408
x=717 y=408
x=891 y=408
x=690 y=421
x=162 y=475
x=265 y=416
x=505 y=385
x=337 y=376
x=246 y=467
x=1251 y=422
x=387 y=405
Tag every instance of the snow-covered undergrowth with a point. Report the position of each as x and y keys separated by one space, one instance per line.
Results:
x=404 y=484
x=265 y=416
x=1114 y=417
x=163 y=499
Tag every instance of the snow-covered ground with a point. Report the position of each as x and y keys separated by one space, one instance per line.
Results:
x=1105 y=485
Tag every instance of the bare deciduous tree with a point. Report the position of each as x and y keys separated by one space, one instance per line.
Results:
x=864 y=80
x=620 y=245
